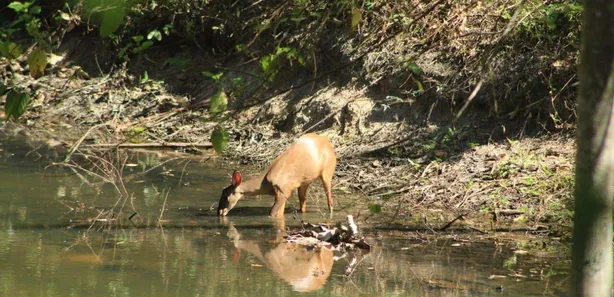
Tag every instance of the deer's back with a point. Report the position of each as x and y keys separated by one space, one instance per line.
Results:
x=302 y=162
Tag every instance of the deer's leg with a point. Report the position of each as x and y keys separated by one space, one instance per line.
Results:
x=327 y=180
x=280 y=204
x=302 y=196
x=327 y=183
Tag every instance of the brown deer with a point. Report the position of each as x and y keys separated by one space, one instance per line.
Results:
x=308 y=158
x=305 y=268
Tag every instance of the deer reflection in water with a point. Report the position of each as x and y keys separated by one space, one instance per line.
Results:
x=305 y=268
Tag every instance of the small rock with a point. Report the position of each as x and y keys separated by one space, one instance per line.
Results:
x=15 y=67
x=531 y=167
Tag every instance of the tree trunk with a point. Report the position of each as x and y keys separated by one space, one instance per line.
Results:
x=592 y=238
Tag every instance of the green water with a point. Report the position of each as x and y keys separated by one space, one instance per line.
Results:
x=47 y=249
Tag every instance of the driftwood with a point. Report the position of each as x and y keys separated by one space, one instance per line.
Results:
x=152 y=145
x=341 y=237
x=505 y=212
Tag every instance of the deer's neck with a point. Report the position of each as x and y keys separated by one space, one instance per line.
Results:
x=254 y=186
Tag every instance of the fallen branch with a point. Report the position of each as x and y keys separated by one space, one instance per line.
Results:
x=505 y=212
x=342 y=237
x=508 y=212
x=151 y=145
x=446 y=226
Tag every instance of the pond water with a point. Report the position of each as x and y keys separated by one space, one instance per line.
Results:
x=47 y=247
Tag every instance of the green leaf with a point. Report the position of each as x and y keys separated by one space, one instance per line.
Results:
x=413 y=67
x=4 y=49
x=16 y=103
x=14 y=50
x=123 y=51
x=168 y=28
x=35 y=10
x=10 y=50
x=356 y=17
x=65 y=16
x=219 y=139
x=265 y=63
x=155 y=34
x=3 y=89
x=145 y=45
x=145 y=77
x=18 y=6
x=269 y=66
x=375 y=208
x=218 y=104
x=177 y=61
x=212 y=76
x=111 y=19
x=37 y=62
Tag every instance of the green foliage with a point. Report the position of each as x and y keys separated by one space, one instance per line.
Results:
x=112 y=18
x=215 y=77
x=219 y=139
x=28 y=21
x=150 y=83
x=356 y=17
x=414 y=68
x=548 y=20
x=228 y=84
x=154 y=34
x=136 y=134
x=218 y=104
x=16 y=104
x=177 y=61
x=375 y=208
x=271 y=64
x=107 y=15
x=37 y=61
x=144 y=78
x=150 y=161
x=20 y=7
x=135 y=45
x=138 y=43
x=10 y=50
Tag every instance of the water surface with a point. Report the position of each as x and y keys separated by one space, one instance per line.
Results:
x=48 y=249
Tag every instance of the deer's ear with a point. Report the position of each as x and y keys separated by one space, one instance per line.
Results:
x=236 y=178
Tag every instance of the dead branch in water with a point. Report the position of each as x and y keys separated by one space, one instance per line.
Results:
x=446 y=226
x=106 y=166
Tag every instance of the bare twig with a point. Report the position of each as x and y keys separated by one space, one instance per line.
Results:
x=164 y=205
x=446 y=226
x=76 y=146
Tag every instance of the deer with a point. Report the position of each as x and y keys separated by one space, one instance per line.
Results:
x=310 y=157
x=305 y=268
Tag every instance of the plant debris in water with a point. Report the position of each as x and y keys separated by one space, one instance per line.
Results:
x=342 y=237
